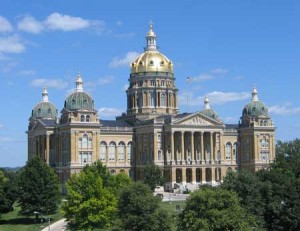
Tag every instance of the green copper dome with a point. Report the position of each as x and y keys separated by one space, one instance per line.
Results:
x=207 y=111
x=255 y=107
x=210 y=113
x=44 y=109
x=79 y=100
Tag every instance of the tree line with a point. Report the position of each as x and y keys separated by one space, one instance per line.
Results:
x=268 y=199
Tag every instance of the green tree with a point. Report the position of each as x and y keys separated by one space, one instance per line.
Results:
x=153 y=176
x=8 y=190
x=214 y=209
x=139 y=209
x=248 y=187
x=38 y=187
x=92 y=197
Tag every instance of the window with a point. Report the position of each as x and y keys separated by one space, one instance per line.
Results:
x=102 y=151
x=82 y=118
x=198 y=151
x=129 y=151
x=228 y=151
x=163 y=100
x=152 y=99
x=162 y=83
x=169 y=153
x=121 y=151
x=87 y=118
x=152 y=83
x=151 y=62
x=85 y=157
x=159 y=137
x=178 y=154
x=112 y=151
x=159 y=155
x=234 y=151
x=264 y=154
x=189 y=154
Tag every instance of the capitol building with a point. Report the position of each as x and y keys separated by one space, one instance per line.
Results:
x=190 y=148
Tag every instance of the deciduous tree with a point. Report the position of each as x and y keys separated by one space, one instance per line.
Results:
x=214 y=209
x=38 y=187
x=139 y=210
x=153 y=176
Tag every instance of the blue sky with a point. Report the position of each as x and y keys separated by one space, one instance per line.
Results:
x=227 y=47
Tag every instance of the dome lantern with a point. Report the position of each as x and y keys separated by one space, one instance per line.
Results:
x=151 y=39
x=206 y=103
x=79 y=84
x=45 y=95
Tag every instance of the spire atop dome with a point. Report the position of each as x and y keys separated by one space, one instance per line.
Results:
x=79 y=83
x=151 y=39
x=254 y=94
x=206 y=103
x=45 y=95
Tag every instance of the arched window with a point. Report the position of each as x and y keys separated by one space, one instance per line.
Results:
x=49 y=112
x=129 y=151
x=82 y=118
x=178 y=154
x=112 y=151
x=102 y=151
x=83 y=142
x=140 y=100
x=159 y=155
x=121 y=151
x=152 y=99
x=234 y=151
x=163 y=100
x=228 y=151
x=169 y=153
x=87 y=118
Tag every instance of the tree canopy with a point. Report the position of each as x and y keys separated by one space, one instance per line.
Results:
x=214 y=209
x=8 y=190
x=92 y=196
x=38 y=187
x=139 y=209
x=153 y=176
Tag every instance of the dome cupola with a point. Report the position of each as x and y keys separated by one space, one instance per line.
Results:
x=151 y=60
x=44 y=109
x=207 y=111
x=79 y=99
x=255 y=107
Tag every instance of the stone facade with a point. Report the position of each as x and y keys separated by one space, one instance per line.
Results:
x=191 y=148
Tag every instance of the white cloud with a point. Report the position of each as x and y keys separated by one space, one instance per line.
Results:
x=8 y=67
x=119 y=23
x=50 y=83
x=109 y=112
x=125 y=61
x=11 y=44
x=202 y=77
x=30 y=24
x=57 y=21
x=217 y=97
x=5 y=25
x=219 y=71
x=1 y=126
x=26 y=72
x=284 y=110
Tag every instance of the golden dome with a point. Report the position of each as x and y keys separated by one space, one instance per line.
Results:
x=152 y=61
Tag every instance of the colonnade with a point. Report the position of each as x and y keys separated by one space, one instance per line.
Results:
x=191 y=146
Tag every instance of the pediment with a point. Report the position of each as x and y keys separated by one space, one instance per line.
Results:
x=197 y=119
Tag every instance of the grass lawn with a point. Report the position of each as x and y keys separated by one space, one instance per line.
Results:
x=14 y=221
x=171 y=208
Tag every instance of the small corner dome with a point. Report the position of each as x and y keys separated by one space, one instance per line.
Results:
x=44 y=110
x=255 y=107
x=207 y=111
x=79 y=99
x=210 y=113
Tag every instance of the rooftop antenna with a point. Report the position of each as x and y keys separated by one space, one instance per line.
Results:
x=188 y=81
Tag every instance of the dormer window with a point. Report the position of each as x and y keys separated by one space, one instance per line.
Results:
x=87 y=118
x=151 y=62
x=82 y=118
x=162 y=63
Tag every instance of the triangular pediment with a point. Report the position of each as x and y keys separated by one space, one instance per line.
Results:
x=197 y=119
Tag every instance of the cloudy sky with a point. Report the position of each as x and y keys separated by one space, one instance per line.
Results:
x=226 y=47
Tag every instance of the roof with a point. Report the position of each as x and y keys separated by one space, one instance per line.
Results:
x=114 y=123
